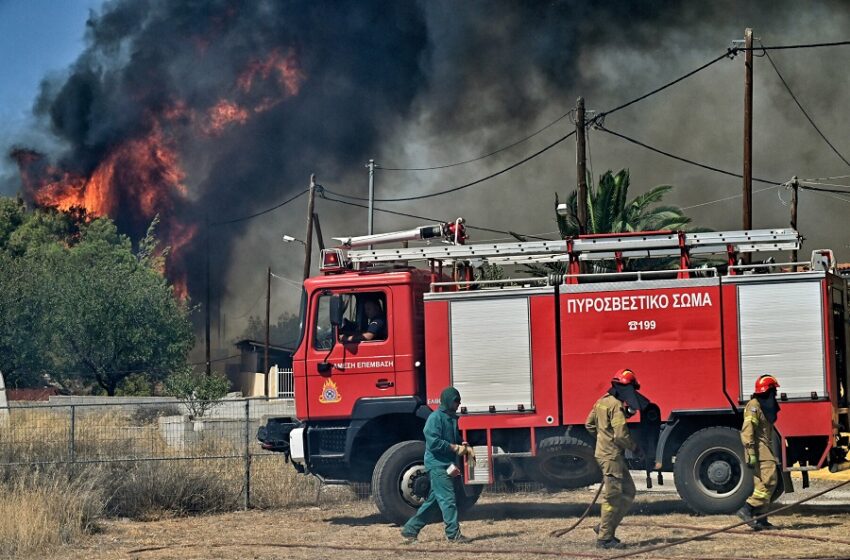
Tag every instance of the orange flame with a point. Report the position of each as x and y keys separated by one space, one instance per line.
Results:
x=223 y=114
x=288 y=72
x=143 y=174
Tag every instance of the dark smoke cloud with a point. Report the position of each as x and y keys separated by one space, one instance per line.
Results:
x=435 y=81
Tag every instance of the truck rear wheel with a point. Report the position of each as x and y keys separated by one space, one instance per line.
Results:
x=400 y=483
x=710 y=471
x=564 y=462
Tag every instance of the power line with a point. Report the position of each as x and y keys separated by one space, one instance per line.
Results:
x=731 y=52
x=260 y=213
x=805 y=113
x=601 y=116
x=464 y=186
x=287 y=281
x=799 y=46
x=728 y=54
x=725 y=198
x=484 y=156
x=426 y=218
x=682 y=159
x=825 y=184
x=819 y=189
x=825 y=178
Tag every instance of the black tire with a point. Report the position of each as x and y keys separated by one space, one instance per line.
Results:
x=564 y=462
x=406 y=458
x=710 y=471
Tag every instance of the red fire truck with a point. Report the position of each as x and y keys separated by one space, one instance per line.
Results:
x=530 y=355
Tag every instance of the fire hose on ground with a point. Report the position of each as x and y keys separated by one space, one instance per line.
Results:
x=545 y=552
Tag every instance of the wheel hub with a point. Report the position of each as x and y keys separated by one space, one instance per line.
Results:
x=719 y=472
x=415 y=485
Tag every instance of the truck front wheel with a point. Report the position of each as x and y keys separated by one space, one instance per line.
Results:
x=710 y=471
x=400 y=483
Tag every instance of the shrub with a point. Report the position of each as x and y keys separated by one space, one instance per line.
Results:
x=197 y=391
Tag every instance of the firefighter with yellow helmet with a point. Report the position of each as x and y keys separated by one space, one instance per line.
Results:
x=757 y=436
x=607 y=421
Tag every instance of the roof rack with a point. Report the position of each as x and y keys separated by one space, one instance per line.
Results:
x=664 y=244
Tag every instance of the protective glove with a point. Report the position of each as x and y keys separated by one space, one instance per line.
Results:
x=752 y=460
x=460 y=449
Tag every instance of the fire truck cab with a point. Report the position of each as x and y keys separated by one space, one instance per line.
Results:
x=530 y=355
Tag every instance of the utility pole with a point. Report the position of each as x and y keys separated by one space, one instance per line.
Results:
x=581 y=166
x=207 y=360
x=308 y=239
x=371 y=167
x=748 y=129
x=319 y=238
x=268 y=328
x=795 y=186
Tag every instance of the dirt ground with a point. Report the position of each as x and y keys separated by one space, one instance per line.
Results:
x=501 y=526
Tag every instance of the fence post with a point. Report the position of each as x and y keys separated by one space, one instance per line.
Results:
x=72 y=451
x=247 y=497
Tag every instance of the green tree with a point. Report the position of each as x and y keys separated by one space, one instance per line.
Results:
x=77 y=304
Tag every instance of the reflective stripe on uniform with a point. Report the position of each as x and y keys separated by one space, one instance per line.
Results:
x=753 y=419
x=618 y=422
x=760 y=493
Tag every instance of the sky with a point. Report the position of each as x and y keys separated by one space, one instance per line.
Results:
x=37 y=37
x=422 y=83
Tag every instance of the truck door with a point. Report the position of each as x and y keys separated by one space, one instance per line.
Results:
x=362 y=367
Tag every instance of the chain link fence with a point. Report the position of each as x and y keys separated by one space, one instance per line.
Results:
x=149 y=455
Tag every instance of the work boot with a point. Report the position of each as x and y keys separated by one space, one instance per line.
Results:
x=609 y=544
x=459 y=539
x=746 y=514
x=596 y=530
x=408 y=538
x=763 y=523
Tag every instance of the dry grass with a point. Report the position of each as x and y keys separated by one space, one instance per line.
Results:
x=44 y=509
x=59 y=502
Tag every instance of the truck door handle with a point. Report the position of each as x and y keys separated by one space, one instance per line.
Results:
x=384 y=384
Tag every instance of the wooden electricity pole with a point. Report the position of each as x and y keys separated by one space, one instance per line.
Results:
x=748 y=129
x=795 y=186
x=319 y=238
x=581 y=166
x=207 y=298
x=268 y=328
x=308 y=239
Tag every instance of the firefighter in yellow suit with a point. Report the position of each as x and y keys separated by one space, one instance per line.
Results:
x=757 y=436
x=607 y=421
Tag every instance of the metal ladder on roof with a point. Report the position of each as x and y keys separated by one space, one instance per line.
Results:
x=590 y=248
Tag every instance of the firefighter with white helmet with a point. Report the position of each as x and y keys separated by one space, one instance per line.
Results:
x=757 y=436
x=607 y=421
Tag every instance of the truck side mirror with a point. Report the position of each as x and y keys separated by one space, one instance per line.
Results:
x=336 y=310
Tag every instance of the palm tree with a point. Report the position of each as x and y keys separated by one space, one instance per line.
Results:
x=609 y=211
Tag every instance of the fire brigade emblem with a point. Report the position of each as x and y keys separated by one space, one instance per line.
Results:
x=330 y=393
